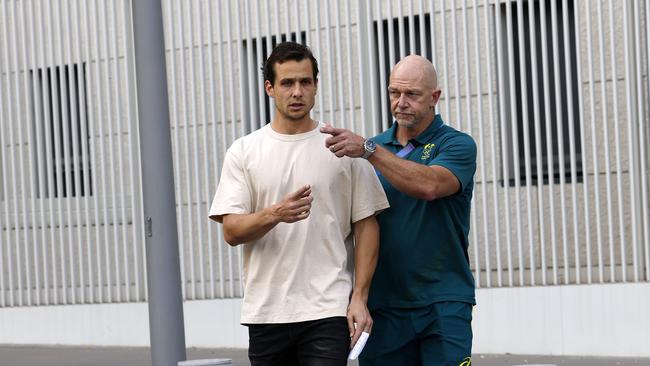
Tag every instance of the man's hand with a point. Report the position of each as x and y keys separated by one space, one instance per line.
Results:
x=358 y=315
x=294 y=207
x=343 y=142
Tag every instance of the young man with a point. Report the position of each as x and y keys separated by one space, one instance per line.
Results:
x=423 y=291
x=307 y=223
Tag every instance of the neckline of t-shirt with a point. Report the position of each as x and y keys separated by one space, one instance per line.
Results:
x=296 y=137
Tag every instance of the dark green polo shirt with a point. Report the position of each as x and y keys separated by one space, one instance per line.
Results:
x=423 y=244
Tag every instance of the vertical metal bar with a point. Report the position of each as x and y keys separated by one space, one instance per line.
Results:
x=5 y=185
x=481 y=151
x=640 y=146
x=287 y=20
x=594 y=142
x=330 y=73
x=585 y=179
x=504 y=138
x=183 y=236
x=532 y=30
x=72 y=176
x=191 y=121
x=259 y=58
x=412 y=49
x=102 y=154
x=59 y=121
x=165 y=305
x=363 y=38
x=321 y=100
x=617 y=139
x=33 y=146
x=454 y=45
x=296 y=16
x=432 y=21
x=514 y=130
x=572 y=149
x=137 y=211
x=549 y=149
x=52 y=170
x=400 y=29
x=443 y=15
x=526 y=131
x=25 y=141
x=307 y=16
x=351 y=81
x=605 y=126
x=213 y=117
x=631 y=148
x=470 y=130
x=233 y=120
x=96 y=138
x=391 y=34
x=422 y=29
x=339 y=63
x=377 y=122
x=120 y=217
x=242 y=116
x=224 y=135
x=16 y=287
x=560 y=132
x=111 y=157
x=642 y=143
x=205 y=193
x=383 y=83
x=79 y=155
x=252 y=71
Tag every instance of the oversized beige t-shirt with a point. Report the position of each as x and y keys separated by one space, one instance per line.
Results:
x=297 y=271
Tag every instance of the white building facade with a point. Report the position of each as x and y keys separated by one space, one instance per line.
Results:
x=555 y=93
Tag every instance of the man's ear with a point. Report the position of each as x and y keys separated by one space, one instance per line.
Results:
x=436 y=97
x=268 y=87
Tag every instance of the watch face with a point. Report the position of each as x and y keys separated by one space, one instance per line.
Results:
x=370 y=145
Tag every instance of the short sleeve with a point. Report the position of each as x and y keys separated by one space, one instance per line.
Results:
x=458 y=154
x=233 y=192
x=368 y=197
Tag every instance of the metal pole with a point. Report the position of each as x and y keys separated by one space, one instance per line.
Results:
x=163 y=267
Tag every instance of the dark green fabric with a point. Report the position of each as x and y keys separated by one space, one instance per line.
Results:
x=423 y=244
x=437 y=334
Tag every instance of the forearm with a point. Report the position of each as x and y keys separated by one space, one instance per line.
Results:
x=366 y=250
x=240 y=229
x=416 y=180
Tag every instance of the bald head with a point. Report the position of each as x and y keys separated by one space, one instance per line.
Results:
x=417 y=70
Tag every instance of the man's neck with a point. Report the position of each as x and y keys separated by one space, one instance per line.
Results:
x=292 y=127
x=404 y=134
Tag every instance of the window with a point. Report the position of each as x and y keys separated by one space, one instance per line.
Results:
x=60 y=131
x=560 y=76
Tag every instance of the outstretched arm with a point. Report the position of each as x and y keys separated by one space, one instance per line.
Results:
x=244 y=228
x=417 y=180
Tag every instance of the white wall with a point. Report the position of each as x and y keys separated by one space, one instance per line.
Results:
x=593 y=320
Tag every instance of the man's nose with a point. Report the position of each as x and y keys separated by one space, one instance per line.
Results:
x=297 y=90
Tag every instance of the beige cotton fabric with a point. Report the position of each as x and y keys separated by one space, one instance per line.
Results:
x=303 y=270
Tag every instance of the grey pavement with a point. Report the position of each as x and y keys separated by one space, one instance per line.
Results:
x=113 y=356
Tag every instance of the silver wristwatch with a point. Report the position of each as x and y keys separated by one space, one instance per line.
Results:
x=370 y=147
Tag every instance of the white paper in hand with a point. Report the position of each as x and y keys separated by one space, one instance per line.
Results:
x=358 y=347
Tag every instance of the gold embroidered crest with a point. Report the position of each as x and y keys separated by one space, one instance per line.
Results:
x=426 y=154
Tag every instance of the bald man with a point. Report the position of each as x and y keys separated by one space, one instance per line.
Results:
x=422 y=293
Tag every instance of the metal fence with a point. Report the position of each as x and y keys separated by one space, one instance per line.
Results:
x=554 y=92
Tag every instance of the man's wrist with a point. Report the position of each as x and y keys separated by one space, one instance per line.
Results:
x=360 y=294
x=369 y=148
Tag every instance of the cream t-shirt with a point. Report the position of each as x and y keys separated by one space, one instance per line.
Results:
x=297 y=271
